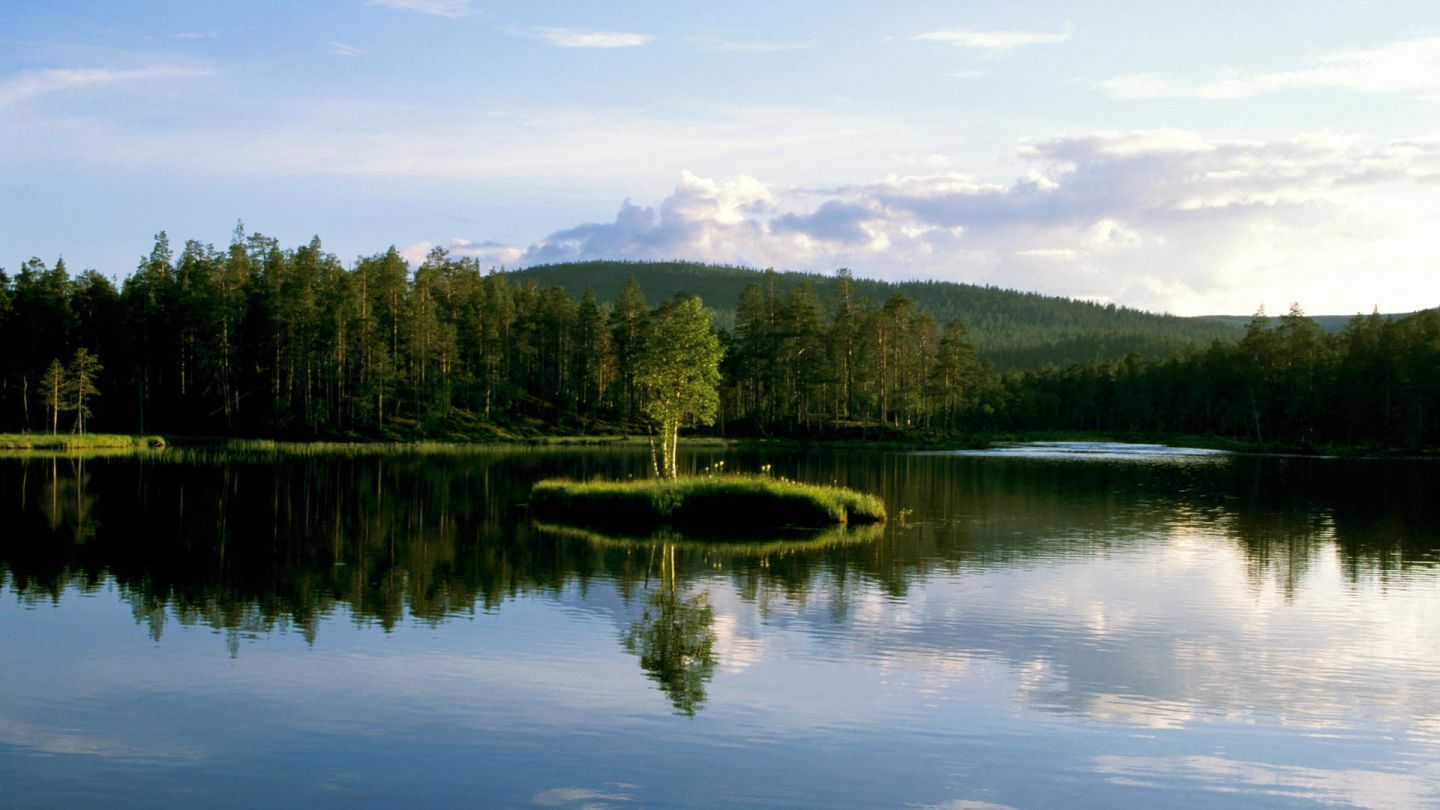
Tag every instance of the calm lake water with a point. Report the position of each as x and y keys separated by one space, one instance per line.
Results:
x=1044 y=627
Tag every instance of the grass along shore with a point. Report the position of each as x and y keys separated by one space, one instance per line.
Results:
x=709 y=504
x=77 y=441
x=73 y=443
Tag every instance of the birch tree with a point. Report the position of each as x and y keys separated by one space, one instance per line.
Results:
x=678 y=371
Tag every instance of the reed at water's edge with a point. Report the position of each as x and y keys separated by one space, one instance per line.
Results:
x=75 y=441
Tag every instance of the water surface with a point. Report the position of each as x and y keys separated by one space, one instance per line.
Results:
x=1131 y=628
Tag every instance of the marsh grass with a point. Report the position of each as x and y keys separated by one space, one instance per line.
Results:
x=77 y=441
x=705 y=504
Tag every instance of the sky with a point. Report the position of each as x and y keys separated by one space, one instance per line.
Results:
x=1193 y=158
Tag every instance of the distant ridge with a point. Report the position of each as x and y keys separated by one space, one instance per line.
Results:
x=1013 y=330
x=1331 y=324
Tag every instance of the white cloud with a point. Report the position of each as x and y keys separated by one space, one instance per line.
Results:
x=32 y=83
x=489 y=253
x=345 y=49
x=1406 y=67
x=1163 y=219
x=994 y=41
x=415 y=253
x=437 y=8
x=932 y=160
x=573 y=38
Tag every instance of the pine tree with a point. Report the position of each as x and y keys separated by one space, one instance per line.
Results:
x=80 y=385
x=52 y=393
x=628 y=326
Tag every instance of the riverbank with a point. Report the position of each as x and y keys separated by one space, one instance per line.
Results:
x=1211 y=442
x=77 y=441
x=891 y=442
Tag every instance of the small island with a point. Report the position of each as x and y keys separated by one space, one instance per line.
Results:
x=736 y=504
x=677 y=372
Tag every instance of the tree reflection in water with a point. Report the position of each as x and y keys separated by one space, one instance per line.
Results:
x=248 y=543
x=676 y=644
x=675 y=639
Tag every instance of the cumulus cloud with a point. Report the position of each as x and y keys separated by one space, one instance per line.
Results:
x=1410 y=67
x=573 y=38
x=488 y=253
x=1162 y=219
x=994 y=41
x=32 y=83
x=436 y=8
x=835 y=221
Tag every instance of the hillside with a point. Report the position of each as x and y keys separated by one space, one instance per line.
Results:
x=1330 y=324
x=1013 y=330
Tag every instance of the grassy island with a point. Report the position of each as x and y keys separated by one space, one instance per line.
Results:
x=726 y=504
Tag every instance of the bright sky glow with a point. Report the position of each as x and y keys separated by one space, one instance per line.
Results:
x=1193 y=158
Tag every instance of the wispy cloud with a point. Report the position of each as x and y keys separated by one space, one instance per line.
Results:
x=994 y=42
x=196 y=35
x=574 y=38
x=1371 y=789
x=1409 y=66
x=754 y=45
x=438 y=8
x=32 y=83
x=345 y=49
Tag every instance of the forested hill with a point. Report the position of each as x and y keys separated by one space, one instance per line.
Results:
x=1329 y=324
x=1011 y=329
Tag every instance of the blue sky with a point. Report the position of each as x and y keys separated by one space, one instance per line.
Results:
x=1193 y=158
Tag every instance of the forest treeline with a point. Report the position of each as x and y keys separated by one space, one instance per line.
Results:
x=1011 y=329
x=256 y=339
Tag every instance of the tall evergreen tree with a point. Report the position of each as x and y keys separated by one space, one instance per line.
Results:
x=52 y=393
x=80 y=385
x=628 y=329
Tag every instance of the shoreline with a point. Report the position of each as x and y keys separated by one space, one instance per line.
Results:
x=63 y=444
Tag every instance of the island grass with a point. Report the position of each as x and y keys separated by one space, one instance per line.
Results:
x=709 y=504
x=77 y=441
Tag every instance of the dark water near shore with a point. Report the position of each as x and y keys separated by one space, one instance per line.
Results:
x=1046 y=628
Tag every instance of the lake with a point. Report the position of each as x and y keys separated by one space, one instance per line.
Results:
x=1042 y=626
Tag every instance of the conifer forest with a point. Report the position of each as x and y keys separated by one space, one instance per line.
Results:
x=260 y=340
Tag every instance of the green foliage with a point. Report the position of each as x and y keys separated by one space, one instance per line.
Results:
x=678 y=373
x=1287 y=384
